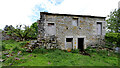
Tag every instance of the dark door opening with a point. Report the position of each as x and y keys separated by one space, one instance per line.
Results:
x=80 y=43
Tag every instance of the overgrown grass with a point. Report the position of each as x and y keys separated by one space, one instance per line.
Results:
x=10 y=44
x=44 y=57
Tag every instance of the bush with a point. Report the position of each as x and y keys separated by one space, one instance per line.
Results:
x=8 y=41
x=41 y=50
x=88 y=48
x=22 y=44
x=113 y=38
x=3 y=47
x=3 y=56
x=75 y=51
x=16 y=48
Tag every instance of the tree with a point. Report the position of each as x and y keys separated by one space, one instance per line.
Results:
x=34 y=31
x=6 y=28
x=34 y=28
x=28 y=32
x=114 y=21
x=22 y=33
x=114 y=25
x=9 y=30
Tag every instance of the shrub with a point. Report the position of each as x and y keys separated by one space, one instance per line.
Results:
x=16 y=48
x=3 y=47
x=113 y=38
x=88 y=48
x=8 y=41
x=40 y=50
x=3 y=56
x=75 y=51
x=22 y=44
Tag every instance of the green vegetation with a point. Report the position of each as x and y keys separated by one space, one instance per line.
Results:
x=113 y=21
x=24 y=32
x=113 y=38
x=34 y=32
x=113 y=24
x=11 y=44
x=44 y=57
x=15 y=54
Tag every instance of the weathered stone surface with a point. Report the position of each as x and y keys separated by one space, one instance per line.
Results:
x=2 y=60
x=7 y=56
x=86 y=28
x=17 y=58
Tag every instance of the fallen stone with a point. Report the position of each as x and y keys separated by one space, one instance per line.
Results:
x=35 y=41
x=19 y=52
x=29 y=45
x=51 y=47
x=11 y=55
x=30 y=55
x=13 y=52
x=11 y=64
x=2 y=60
x=49 y=63
x=32 y=43
x=7 y=56
x=17 y=58
x=6 y=53
x=23 y=58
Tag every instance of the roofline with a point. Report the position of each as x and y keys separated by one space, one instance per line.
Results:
x=72 y=15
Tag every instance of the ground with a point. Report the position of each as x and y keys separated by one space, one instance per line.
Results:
x=42 y=57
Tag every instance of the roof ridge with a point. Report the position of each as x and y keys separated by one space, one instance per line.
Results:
x=72 y=15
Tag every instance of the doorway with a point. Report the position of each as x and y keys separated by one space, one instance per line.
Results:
x=81 y=43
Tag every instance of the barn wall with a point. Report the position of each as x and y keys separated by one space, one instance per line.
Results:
x=87 y=28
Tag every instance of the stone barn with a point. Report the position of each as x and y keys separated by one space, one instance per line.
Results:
x=72 y=31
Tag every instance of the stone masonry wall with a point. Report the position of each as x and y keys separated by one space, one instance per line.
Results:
x=87 y=28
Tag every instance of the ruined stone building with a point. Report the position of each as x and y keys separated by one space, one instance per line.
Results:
x=72 y=31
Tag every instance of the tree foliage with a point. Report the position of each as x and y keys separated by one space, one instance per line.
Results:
x=34 y=32
x=9 y=30
x=114 y=25
x=114 y=21
x=23 y=32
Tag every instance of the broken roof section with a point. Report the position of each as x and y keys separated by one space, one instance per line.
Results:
x=71 y=15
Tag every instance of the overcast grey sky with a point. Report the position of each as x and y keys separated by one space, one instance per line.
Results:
x=14 y=12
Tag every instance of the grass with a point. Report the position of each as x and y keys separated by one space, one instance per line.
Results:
x=61 y=58
x=10 y=44
x=44 y=57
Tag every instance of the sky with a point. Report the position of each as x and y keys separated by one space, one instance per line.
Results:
x=16 y=12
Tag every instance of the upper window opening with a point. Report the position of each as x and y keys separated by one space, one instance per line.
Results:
x=69 y=39
x=75 y=22
x=50 y=24
x=99 y=28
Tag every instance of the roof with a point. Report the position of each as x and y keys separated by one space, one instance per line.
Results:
x=71 y=15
